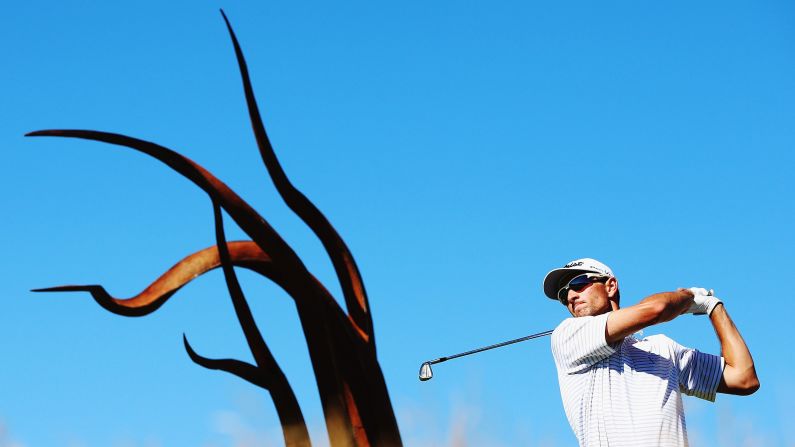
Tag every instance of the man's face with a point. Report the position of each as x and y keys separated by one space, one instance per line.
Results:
x=594 y=299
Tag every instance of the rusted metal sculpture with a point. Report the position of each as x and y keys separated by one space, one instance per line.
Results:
x=353 y=393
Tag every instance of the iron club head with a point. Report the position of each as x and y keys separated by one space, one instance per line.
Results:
x=425 y=371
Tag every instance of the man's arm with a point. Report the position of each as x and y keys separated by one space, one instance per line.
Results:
x=657 y=308
x=739 y=375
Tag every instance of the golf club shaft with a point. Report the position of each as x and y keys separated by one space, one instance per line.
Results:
x=474 y=351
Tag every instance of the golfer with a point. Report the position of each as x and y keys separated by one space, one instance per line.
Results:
x=619 y=390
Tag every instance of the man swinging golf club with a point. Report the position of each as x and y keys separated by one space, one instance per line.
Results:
x=619 y=390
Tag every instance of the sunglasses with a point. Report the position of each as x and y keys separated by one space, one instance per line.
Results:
x=578 y=284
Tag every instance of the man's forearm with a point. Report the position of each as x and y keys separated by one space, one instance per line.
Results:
x=739 y=375
x=675 y=303
x=666 y=306
x=654 y=309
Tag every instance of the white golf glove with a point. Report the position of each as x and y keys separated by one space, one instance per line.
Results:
x=704 y=301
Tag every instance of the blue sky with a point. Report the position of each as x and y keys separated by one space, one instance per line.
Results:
x=462 y=149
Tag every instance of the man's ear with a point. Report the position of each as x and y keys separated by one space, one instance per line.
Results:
x=611 y=285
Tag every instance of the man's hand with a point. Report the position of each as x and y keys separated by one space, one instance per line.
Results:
x=704 y=301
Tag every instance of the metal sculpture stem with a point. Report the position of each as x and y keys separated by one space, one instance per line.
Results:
x=341 y=257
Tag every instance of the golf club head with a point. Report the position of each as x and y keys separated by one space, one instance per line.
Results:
x=425 y=371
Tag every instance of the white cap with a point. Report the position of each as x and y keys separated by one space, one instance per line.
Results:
x=558 y=277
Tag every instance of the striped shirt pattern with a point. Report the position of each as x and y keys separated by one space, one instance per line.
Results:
x=628 y=393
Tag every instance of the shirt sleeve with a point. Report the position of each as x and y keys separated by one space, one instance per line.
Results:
x=578 y=343
x=699 y=372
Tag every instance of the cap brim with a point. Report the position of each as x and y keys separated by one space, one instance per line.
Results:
x=555 y=278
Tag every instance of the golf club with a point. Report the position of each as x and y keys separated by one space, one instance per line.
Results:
x=426 y=373
x=425 y=370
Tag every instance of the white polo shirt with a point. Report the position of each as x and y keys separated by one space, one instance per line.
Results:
x=628 y=393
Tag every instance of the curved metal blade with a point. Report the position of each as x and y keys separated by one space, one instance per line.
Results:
x=425 y=371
